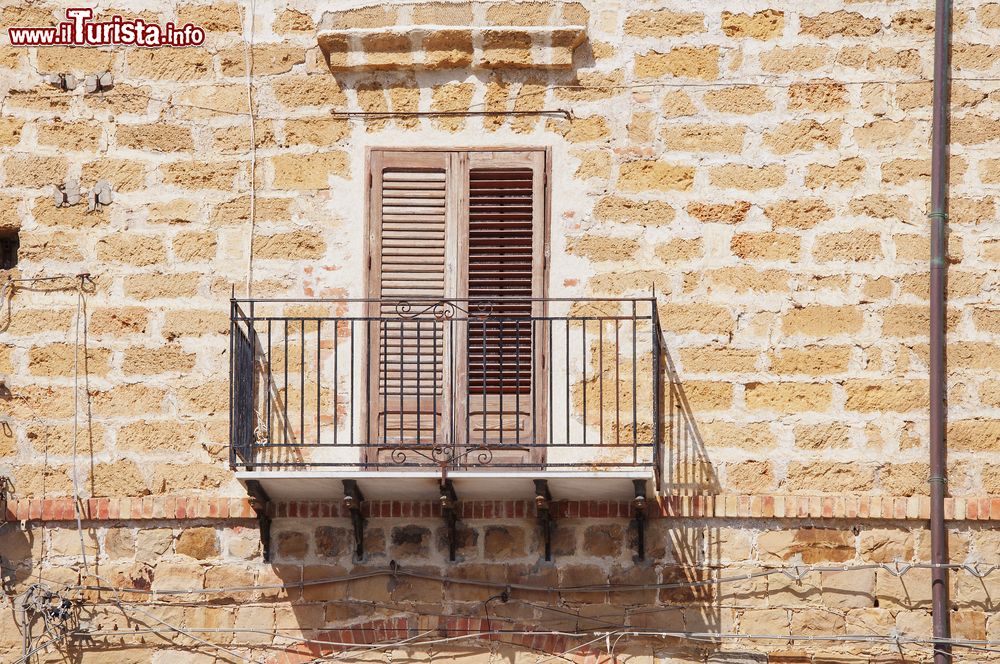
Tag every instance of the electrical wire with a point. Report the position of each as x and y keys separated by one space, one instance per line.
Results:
x=769 y=81
x=10 y=285
x=125 y=607
x=6 y=302
x=382 y=115
x=623 y=632
x=618 y=634
x=436 y=641
x=28 y=655
x=249 y=62
x=563 y=654
x=888 y=639
x=794 y=572
x=37 y=600
x=798 y=572
x=360 y=650
x=80 y=314
x=187 y=632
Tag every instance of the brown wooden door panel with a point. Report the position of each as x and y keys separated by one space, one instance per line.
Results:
x=504 y=222
x=459 y=226
x=408 y=247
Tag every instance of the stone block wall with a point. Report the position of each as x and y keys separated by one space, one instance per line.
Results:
x=766 y=171
x=201 y=570
x=764 y=166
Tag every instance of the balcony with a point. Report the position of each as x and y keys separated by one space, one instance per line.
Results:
x=400 y=397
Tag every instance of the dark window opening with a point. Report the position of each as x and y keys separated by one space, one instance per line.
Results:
x=9 y=243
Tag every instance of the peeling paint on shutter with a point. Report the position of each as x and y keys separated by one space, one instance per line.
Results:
x=503 y=270
x=409 y=234
x=457 y=226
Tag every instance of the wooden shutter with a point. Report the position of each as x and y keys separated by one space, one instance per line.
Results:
x=409 y=237
x=504 y=222
x=465 y=227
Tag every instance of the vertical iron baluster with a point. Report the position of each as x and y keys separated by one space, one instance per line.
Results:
x=600 y=378
x=534 y=385
x=501 y=352
x=567 y=382
x=319 y=395
x=302 y=380
x=583 y=359
x=618 y=384
x=452 y=387
x=350 y=401
x=434 y=384
x=284 y=424
x=635 y=414
x=552 y=390
x=234 y=438
x=419 y=353
x=384 y=382
x=657 y=396
x=269 y=378
x=336 y=377
x=517 y=382
x=319 y=335
x=402 y=381
x=368 y=382
x=250 y=419
x=483 y=362
x=251 y=328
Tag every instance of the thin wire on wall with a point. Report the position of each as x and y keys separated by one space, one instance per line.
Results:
x=768 y=82
x=248 y=63
x=618 y=633
x=793 y=572
x=81 y=319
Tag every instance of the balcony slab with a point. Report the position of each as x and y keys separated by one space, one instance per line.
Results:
x=417 y=485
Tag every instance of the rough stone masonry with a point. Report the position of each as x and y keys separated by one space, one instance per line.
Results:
x=763 y=164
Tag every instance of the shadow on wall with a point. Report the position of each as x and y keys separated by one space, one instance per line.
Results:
x=588 y=552
x=16 y=560
x=672 y=590
x=688 y=471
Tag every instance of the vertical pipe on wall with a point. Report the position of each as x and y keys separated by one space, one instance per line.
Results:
x=938 y=361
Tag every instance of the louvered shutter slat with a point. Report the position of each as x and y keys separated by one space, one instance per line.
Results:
x=488 y=208
x=410 y=241
x=502 y=263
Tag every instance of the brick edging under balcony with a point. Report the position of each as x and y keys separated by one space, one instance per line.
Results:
x=171 y=508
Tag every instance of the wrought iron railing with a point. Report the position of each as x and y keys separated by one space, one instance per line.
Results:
x=550 y=384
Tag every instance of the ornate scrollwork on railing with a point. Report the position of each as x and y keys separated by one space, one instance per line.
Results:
x=483 y=455
x=439 y=455
x=442 y=309
x=481 y=309
x=444 y=456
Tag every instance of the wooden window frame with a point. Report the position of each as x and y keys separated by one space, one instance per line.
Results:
x=453 y=256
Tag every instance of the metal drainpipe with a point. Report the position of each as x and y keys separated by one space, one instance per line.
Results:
x=938 y=360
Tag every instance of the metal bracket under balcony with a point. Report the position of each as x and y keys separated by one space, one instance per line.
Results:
x=400 y=397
